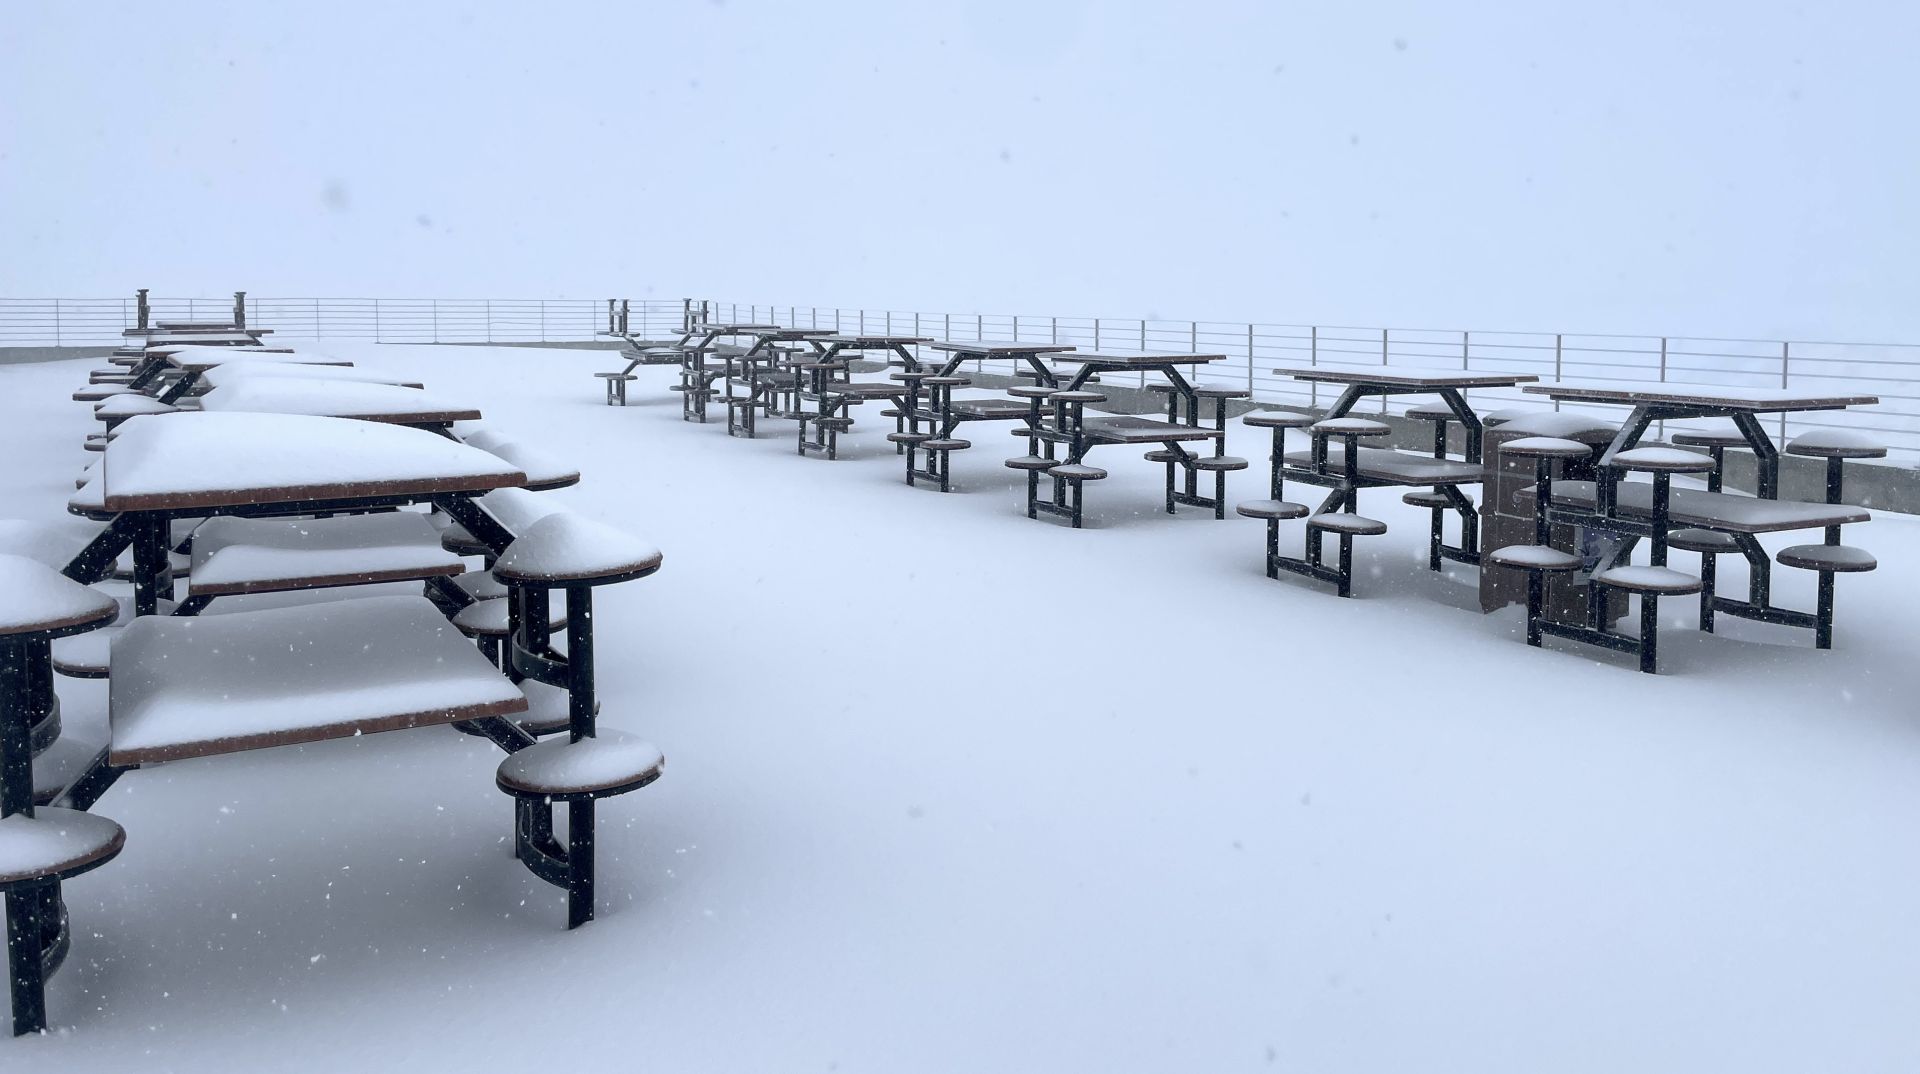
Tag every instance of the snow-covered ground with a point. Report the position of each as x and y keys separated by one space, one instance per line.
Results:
x=951 y=790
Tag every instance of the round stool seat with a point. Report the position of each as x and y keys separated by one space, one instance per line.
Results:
x=565 y=549
x=949 y=382
x=457 y=540
x=1273 y=510
x=480 y=585
x=548 y=708
x=1032 y=462
x=1656 y=581
x=1711 y=438
x=1076 y=397
x=1835 y=444
x=54 y=844
x=612 y=762
x=1432 y=412
x=616 y=376
x=1534 y=557
x=1352 y=525
x=488 y=618
x=1428 y=498
x=1219 y=463
x=1031 y=391
x=1496 y=418
x=1827 y=558
x=1705 y=542
x=948 y=444
x=1277 y=419
x=1669 y=460
x=1077 y=472
x=1162 y=455
x=1220 y=391
x=1351 y=427
x=892 y=412
x=910 y=376
x=834 y=423
x=1545 y=447
x=909 y=438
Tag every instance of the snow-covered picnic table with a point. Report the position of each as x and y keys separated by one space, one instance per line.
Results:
x=163 y=467
x=334 y=398
x=1678 y=402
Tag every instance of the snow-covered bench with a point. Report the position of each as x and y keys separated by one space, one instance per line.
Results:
x=233 y=556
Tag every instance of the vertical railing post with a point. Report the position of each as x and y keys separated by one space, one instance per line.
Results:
x=1249 y=361
x=1559 y=349
x=317 y=332
x=1053 y=329
x=436 y=320
x=56 y=322
x=1313 y=359
x=543 y=320
x=1786 y=357
x=1466 y=351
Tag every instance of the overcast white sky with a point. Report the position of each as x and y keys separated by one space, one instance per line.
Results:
x=1723 y=166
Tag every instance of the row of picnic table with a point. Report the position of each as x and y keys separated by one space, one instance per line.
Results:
x=804 y=374
x=226 y=469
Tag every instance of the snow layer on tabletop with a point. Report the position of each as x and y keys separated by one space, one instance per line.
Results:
x=327 y=398
x=189 y=453
x=36 y=597
x=902 y=834
x=307 y=672
x=242 y=372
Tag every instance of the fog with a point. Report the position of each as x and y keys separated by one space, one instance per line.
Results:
x=1710 y=168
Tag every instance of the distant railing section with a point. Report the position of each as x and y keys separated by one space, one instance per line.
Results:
x=98 y=322
x=1888 y=370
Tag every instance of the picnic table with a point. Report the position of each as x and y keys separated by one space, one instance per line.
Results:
x=1346 y=468
x=178 y=466
x=1664 y=401
x=1617 y=516
x=1068 y=427
x=690 y=352
x=824 y=379
x=929 y=400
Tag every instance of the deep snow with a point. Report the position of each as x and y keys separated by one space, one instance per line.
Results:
x=952 y=790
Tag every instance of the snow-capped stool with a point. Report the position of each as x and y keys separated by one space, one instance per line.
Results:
x=1716 y=441
x=1346 y=526
x=39 y=846
x=1709 y=545
x=567 y=552
x=617 y=387
x=1073 y=478
x=1440 y=414
x=1539 y=558
x=1836 y=446
x=1826 y=560
x=939 y=460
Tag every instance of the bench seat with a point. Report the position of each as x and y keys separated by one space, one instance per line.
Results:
x=216 y=684
x=1132 y=429
x=1395 y=468
x=1712 y=510
x=252 y=555
x=988 y=409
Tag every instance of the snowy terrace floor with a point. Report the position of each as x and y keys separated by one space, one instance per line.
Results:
x=951 y=790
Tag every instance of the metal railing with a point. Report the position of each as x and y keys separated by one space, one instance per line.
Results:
x=1888 y=370
x=97 y=322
